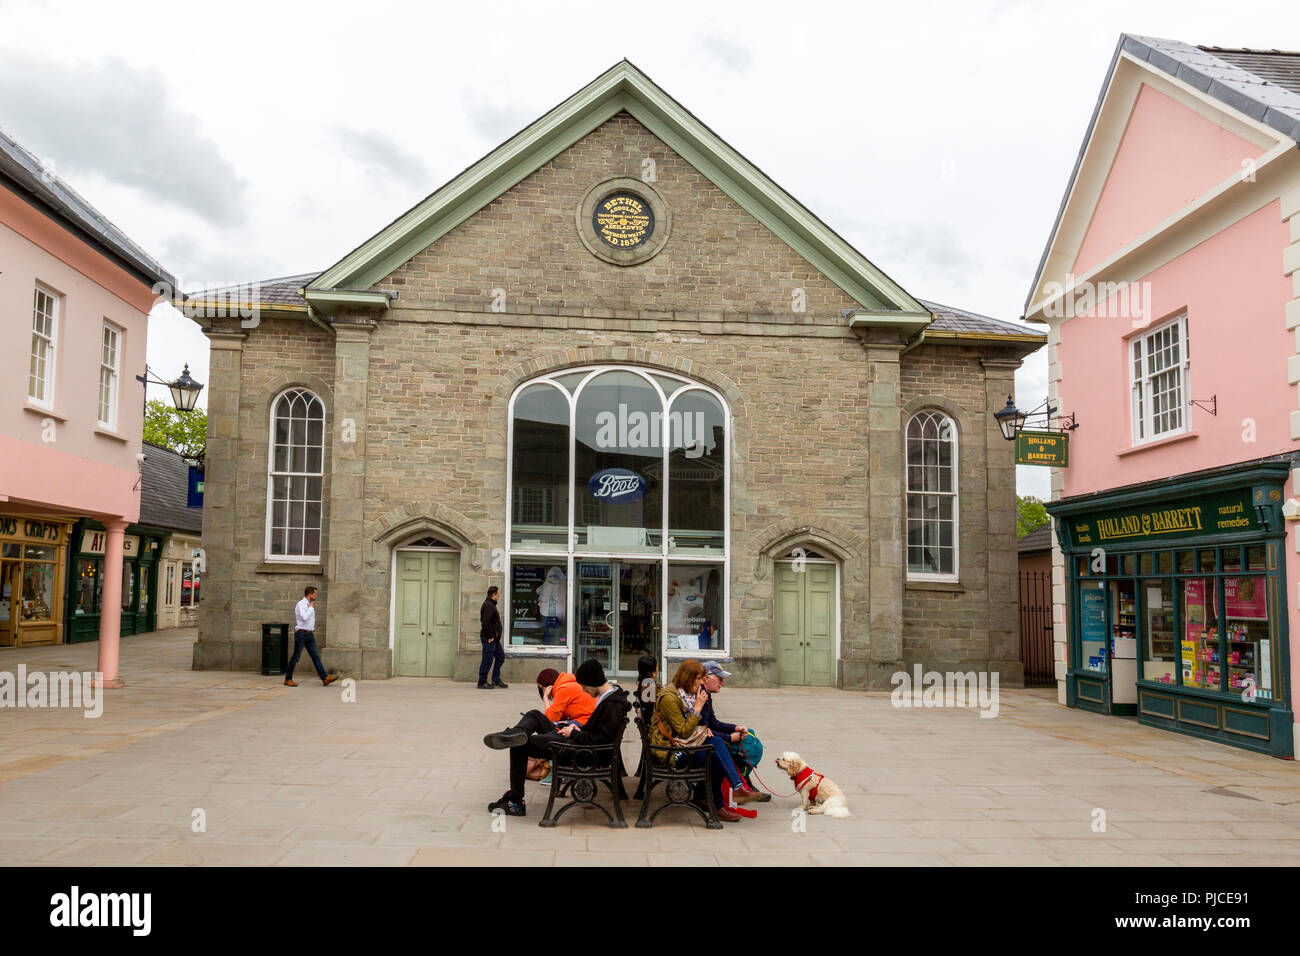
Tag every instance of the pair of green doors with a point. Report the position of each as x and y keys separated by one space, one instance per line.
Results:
x=425 y=617
x=805 y=623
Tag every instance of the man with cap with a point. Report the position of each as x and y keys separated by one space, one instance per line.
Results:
x=734 y=734
x=530 y=738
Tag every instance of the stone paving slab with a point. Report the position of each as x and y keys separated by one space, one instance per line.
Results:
x=298 y=776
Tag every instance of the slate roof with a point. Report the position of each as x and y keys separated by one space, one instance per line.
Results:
x=164 y=490
x=281 y=291
x=1263 y=84
x=1040 y=539
x=950 y=319
x=22 y=173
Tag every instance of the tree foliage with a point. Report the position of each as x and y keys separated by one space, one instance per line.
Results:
x=182 y=432
x=1030 y=515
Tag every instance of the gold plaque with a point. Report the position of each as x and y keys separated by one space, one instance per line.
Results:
x=623 y=220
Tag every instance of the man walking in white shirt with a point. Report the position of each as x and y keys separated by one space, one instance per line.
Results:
x=304 y=635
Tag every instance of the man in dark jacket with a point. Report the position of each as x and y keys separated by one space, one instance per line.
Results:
x=733 y=734
x=533 y=735
x=489 y=633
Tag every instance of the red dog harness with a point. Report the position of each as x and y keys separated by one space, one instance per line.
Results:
x=802 y=776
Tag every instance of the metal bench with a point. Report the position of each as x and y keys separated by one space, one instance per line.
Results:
x=578 y=770
x=679 y=775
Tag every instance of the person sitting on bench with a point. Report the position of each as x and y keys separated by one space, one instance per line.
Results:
x=563 y=698
x=732 y=734
x=534 y=734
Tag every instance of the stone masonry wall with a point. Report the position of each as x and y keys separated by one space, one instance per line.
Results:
x=964 y=626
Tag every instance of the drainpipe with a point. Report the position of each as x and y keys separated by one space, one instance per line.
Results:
x=913 y=342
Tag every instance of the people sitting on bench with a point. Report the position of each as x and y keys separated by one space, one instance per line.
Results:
x=563 y=698
x=534 y=734
x=677 y=720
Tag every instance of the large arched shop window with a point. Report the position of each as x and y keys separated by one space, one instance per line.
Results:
x=618 y=461
x=931 y=496
x=295 y=476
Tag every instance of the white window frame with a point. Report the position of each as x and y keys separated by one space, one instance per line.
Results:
x=272 y=474
x=946 y=423
x=1141 y=406
x=113 y=371
x=46 y=398
x=665 y=555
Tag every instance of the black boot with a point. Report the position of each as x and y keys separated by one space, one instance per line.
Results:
x=509 y=806
x=505 y=739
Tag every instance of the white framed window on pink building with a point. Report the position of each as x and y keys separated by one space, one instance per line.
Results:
x=1160 y=364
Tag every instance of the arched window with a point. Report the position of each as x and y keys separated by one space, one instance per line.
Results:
x=295 y=476
x=618 y=515
x=931 y=497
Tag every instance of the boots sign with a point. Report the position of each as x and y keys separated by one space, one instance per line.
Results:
x=617 y=485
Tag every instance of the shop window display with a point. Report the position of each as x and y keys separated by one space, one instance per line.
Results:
x=1200 y=644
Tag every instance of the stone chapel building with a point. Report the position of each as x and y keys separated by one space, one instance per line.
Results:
x=615 y=370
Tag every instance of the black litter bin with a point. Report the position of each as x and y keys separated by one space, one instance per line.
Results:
x=275 y=648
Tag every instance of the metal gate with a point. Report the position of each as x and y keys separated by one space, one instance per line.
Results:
x=1036 y=628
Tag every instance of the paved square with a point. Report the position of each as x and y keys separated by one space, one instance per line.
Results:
x=401 y=776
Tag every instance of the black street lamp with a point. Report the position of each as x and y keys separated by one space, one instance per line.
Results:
x=185 y=391
x=1012 y=420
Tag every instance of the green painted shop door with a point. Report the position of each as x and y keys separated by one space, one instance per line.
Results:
x=425 y=618
x=805 y=624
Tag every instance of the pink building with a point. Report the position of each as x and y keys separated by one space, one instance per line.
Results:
x=75 y=294
x=1171 y=289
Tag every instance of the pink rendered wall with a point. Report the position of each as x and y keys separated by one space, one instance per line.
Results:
x=80 y=470
x=1169 y=156
x=1234 y=293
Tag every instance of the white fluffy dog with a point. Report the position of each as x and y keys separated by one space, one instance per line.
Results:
x=819 y=793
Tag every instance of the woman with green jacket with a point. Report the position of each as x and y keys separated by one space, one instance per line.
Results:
x=677 y=717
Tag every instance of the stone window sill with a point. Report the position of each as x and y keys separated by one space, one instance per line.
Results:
x=955 y=586
x=44 y=412
x=272 y=567
x=108 y=433
x=1158 y=443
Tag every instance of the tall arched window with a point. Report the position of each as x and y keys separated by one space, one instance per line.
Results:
x=295 y=476
x=618 y=516
x=931 y=497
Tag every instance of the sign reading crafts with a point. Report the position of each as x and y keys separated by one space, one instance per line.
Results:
x=1219 y=514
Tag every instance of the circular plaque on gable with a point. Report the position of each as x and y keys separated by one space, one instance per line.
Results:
x=623 y=221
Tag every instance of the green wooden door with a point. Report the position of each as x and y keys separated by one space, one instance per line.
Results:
x=444 y=588
x=804 y=624
x=425 y=616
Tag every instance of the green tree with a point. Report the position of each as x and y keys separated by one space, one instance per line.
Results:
x=182 y=432
x=1030 y=514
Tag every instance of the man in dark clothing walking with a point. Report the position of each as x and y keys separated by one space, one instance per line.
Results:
x=489 y=633
x=532 y=736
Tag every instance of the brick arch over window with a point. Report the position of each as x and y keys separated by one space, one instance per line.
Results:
x=272 y=390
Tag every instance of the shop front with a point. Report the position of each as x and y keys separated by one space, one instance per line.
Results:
x=619 y=520
x=140 y=551
x=1176 y=606
x=33 y=554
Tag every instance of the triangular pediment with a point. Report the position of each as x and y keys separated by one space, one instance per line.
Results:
x=1166 y=139
x=623 y=88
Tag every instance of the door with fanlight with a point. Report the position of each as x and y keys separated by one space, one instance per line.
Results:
x=425 y=613
x=804 y=622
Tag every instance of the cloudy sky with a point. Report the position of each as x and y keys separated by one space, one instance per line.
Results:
x=243 y=141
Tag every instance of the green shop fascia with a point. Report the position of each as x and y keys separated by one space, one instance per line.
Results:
x=142 y=546
x=1177 y=608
